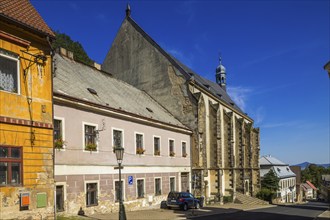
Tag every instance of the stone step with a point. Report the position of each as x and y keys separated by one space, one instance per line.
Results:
x=244 y=199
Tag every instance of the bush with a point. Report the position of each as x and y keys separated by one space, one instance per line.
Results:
x=266 y=194
x=227 y=199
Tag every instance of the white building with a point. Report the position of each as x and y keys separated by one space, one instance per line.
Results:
x=94 y=112
x=287 y=183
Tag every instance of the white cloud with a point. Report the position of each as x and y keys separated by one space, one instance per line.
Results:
x=239 y=95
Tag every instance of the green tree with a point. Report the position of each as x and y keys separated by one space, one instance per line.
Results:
x=270 y=181
x=313 y=173
x=269 y=186
x=79 y=54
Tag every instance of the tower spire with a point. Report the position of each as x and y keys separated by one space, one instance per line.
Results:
x=128 y=10
x=220 y=74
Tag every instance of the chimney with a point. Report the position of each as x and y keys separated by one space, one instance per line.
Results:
x=70 y=55
x=97 y=66
x=62 y=51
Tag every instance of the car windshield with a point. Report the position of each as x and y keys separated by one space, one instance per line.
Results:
x=173 y=195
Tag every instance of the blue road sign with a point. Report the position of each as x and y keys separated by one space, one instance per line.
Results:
x=130 y=180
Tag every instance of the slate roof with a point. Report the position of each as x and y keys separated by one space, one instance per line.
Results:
x=282 y=170
x=73 y=80
x=269 y=160
x=208 y=85
x=23 y=13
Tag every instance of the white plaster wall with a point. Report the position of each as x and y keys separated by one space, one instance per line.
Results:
x=75 y=155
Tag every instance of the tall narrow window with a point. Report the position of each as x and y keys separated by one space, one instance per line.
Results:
x=9 y=71
x=172 y=184
x=117 y=138
x=90 y=138
x=91 y=194
x=171 y=148
x=117 y=190
x=10 y=165
x=140 y=188
x=58 y=134
x=139 y=144
x=158 y=187
x=60 y=198
x=157 y=146
x=184 y=149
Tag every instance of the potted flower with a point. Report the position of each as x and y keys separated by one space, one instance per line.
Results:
x=140 y=150
x=157 y=152
x=172 y=154
x=90 y=147
x=184 y=155
x=59 y=143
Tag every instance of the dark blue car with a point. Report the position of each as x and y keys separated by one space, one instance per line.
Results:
x=183 y=200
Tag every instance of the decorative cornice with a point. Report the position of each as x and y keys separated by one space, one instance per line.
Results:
x=24 y=122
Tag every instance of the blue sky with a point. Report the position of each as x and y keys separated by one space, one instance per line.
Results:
x=274 y=53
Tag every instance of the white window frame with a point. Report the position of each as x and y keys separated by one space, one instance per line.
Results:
x=2 y=53
x=143 y=144
x=153 y=145
x=169 y=179
x=64 y=192
x=122 y=191
x=98 y=191
x=168 y=143
x=83 y=136
x=161 y=188
x=122 y=136
x=63 y=130
x=144 y=188
x=186 y=149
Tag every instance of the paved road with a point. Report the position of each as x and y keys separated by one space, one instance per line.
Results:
x=307 y=211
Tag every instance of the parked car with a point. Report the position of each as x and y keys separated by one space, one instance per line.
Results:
x=183 y=200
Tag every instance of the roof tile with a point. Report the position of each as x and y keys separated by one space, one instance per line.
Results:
x=23 y=12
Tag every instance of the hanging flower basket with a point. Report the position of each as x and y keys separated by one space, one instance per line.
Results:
x=59 y=143
x=140 y=150
x=91 y=147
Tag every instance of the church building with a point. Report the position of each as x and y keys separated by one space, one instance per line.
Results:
x=225 y=144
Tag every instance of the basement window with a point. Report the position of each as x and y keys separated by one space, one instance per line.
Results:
x=92 y=91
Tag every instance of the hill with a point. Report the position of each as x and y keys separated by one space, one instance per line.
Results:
x=306 y=164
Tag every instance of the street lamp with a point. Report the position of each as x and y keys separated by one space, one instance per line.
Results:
x=119 y=151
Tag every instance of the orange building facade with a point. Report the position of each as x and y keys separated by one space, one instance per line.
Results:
x=26 y=112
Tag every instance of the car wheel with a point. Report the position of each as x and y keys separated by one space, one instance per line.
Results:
x=185 y=207
x=197 y=206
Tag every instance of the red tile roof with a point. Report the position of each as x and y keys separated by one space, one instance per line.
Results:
x=23 y=12
x=311 y=185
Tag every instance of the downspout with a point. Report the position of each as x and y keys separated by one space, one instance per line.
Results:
x=52 y=51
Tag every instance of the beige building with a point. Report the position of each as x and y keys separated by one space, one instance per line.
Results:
x=95 y=112
x=225 y=145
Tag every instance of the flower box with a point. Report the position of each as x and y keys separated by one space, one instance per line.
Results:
x=91 y=147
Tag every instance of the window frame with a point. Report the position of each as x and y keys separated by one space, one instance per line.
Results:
x=62 y=130
x=64 y=195
x=114 y=189
x=160 y=186
x=12 y=56
x=97 y=192
x=137 y=188
x=184 y=153
x=122 y=136
x=84 y=136
x=9 y=160
x=159 y=146
x=169 y=147
x=135 y=141
x=174 y=183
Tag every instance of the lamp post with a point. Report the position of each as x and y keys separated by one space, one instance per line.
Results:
x=119 y=155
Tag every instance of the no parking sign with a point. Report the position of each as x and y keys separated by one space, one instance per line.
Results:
x=130 y=180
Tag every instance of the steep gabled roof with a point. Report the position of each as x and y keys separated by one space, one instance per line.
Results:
x=79 y=81
x=189 y=74
x=24 y=14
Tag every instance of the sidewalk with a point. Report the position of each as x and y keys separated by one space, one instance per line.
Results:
x=324 y=215
x=157 y=213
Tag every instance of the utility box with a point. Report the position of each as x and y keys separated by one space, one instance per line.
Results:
x=41 y=200
x=24 y=201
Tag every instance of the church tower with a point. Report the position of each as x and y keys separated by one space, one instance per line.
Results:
x=220 y=75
